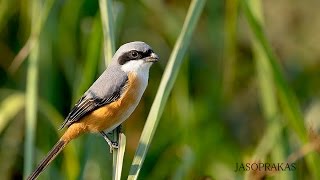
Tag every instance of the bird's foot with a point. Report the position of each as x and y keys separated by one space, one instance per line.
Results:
x=112 y=145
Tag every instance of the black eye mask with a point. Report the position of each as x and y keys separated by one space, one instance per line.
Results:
x=133 y=55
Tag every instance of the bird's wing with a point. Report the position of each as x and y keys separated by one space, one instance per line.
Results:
x=95 y=97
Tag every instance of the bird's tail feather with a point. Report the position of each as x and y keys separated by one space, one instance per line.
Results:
x=57 y=148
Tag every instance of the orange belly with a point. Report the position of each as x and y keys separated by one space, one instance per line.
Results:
x=111 y=115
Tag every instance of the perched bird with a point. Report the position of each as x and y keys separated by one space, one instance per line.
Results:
x=110 y=100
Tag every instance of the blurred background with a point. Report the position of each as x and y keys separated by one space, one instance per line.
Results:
x=222 y=110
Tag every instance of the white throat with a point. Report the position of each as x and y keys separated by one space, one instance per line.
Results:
x=140 y=68
x=136 y=66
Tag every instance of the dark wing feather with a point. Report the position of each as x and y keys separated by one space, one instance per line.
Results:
x=89 y=102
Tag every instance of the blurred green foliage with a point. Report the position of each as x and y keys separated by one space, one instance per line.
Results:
x=225 y=107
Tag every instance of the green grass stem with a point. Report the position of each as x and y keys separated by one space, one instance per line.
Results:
x=230 y=51
x=31 y=96
x=37 y=23
x=166 y=85
x=108 y=29
x=288 y=101
x=108 y=51
x=269 y=103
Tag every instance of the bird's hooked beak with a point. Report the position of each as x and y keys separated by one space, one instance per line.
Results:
x=153 y=57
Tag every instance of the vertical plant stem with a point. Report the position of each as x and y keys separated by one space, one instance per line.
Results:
x=166 y=85
x=31 y=94
x=109 y=49
x=268 y=99
x=108 y=29
x=230 y=53
x=118 y=154
x=287 y=99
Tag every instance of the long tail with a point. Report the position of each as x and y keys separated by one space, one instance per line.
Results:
x=57 y=148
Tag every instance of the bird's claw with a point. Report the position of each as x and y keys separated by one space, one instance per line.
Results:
x=113 y=145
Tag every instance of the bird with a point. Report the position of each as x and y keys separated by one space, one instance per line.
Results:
x=109 y=101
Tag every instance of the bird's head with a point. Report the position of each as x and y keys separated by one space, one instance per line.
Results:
x=135 y=56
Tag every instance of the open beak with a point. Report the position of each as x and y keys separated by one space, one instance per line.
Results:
x=153 y=57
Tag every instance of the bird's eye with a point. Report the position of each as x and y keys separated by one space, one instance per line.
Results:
x=134 y=54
